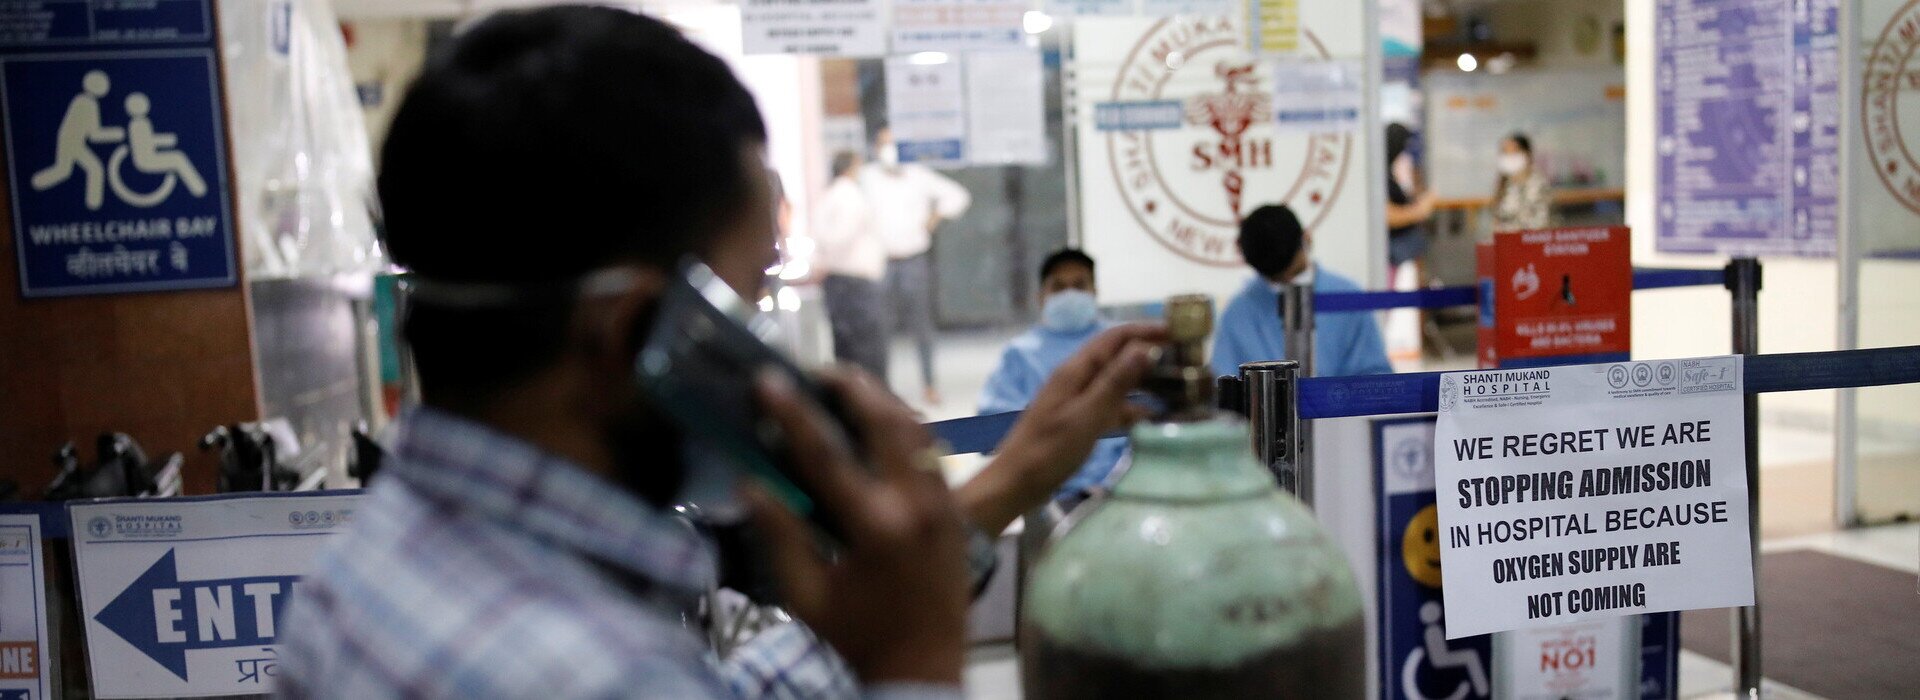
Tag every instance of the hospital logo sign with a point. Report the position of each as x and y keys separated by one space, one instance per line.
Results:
x=1192 y=142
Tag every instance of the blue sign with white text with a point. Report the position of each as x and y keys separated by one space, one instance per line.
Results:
x=115 y=149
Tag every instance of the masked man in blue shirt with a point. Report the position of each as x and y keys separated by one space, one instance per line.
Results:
x=1344 y=343
x=1069 y=317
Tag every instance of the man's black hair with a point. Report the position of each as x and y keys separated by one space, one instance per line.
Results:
x=1521 y=140
x=540 y=145
x=1270 y=239
x=1399 y=137
x=1064 y=256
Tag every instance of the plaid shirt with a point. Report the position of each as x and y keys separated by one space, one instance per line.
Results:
x=482 y=567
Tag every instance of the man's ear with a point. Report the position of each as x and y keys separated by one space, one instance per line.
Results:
x=613 y=324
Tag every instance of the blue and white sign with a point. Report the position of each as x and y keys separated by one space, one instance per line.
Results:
x=1746 y=99
x=181 y=597
x=116 y=148
x=1417 y=661
x=23 y=610
x=1155 y=115
x=927 y=111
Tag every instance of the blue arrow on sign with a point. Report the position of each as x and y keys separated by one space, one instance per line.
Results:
x=165 y=617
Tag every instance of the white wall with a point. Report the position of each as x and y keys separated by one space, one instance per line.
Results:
x=385 y=51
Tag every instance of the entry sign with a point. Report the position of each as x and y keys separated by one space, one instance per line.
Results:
x=23 y=610
x=116 y=148
x=1588 y=492
x=182 y=597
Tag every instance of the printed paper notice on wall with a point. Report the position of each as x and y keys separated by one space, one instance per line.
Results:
x=821 y=27
x=1006 y=108
x=1318 y=96
x=1589 y=492
x=958 y=25
x=926 y=109
x=1276 y=25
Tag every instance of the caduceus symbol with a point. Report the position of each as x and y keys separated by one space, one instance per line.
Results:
x=1230 y=114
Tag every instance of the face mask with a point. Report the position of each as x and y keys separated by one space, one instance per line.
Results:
x=1512 y=163
x=889 y=155
x=1069 y=311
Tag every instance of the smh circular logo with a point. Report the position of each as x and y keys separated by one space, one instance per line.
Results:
x=1189 y=187
x=99 y=526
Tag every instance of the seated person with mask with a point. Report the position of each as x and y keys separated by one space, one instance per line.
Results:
x=1344 y=343
x=1069 y=317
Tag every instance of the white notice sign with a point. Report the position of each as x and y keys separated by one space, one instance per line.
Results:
x=926 y=109
x=1006 y=108
x=958 y=25
x=1591 y=491
x=181 y=597
x=823 y=27
x=23 y=610
x=1318 y=96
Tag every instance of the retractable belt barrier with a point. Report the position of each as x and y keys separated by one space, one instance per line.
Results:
x=1418 y=392
x=1643 y=278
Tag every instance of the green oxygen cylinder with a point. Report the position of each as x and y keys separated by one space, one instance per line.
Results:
x=1196 y=577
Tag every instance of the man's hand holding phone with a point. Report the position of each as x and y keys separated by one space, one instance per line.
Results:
x=893 y=599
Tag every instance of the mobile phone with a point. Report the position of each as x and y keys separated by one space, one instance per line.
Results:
x=698 y=363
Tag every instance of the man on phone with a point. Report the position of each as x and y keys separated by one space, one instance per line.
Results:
x=517 y=543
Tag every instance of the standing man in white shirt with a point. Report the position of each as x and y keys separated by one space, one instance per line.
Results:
x=855 y=262
x=909 y=201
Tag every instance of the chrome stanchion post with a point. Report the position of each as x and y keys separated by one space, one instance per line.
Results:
x=1296 y=313
x=1743 y=281
x=1272 y=391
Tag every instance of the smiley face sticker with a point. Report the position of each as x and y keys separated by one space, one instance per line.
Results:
x=1420 y=547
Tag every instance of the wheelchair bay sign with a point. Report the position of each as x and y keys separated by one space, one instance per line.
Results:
x=116 y=147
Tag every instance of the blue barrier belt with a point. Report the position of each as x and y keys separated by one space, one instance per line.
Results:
x=1366 y=395
x=1643 y=278
x=1418 y=392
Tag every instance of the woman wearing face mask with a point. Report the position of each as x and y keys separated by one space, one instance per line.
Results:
x=1069 y=317
x=1521 y=200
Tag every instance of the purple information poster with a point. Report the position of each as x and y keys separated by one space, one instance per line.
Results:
x=1748 y=126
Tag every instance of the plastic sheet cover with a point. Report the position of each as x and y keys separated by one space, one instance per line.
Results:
x=305 y=170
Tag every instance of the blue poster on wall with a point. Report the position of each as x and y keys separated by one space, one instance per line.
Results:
x=1417 y=661
x=116 y=147
x=1748 y=126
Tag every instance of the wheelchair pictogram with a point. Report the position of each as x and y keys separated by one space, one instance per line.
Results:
x=149 y=151
x=1437 y=654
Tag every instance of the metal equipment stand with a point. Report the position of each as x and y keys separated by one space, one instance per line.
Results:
x=1272 y=391
x=1296 y=313
x=1743 y=280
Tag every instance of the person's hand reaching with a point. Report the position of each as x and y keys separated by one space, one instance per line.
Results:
x=893 y=601
x=1083 y=400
